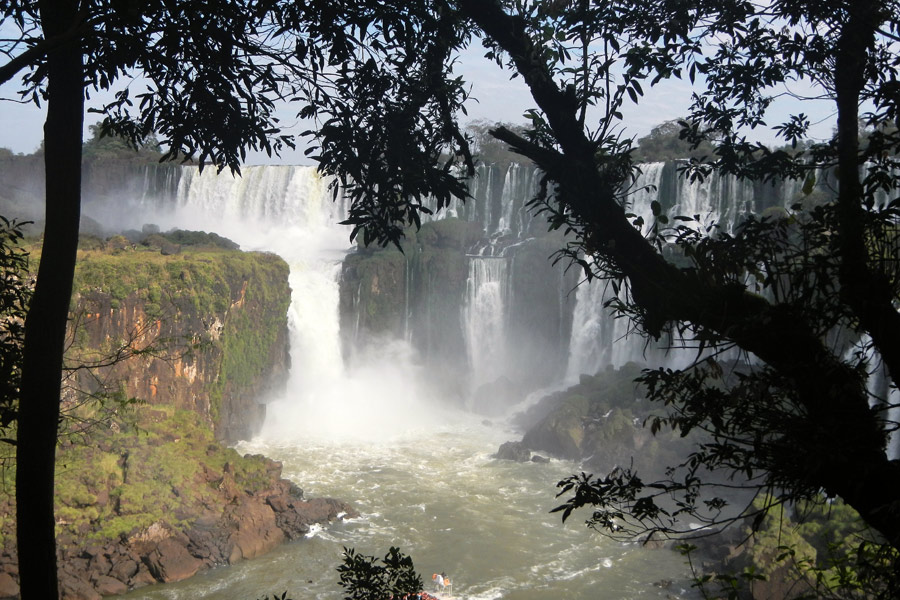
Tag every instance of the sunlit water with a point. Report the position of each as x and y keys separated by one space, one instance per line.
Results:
x=437 y=493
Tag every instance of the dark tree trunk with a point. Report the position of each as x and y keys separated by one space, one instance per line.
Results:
x=45 y=326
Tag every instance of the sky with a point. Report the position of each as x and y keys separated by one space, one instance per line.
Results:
x=496 y=98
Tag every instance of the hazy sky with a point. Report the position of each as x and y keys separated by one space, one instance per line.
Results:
x=498 y=99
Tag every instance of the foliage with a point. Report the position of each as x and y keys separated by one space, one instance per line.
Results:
x=813 y=550
x=488 y=149
x=386 y=128
x=665 y=142
x=15 y=292
x=198 y=238
x=209 y=76
x=810 y=294
x=364 y=579
x=106 y=146
x=152 y=464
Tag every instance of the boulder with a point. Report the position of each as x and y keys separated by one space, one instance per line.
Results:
x=110 y=586
x=170 y=561
x=257 y=531
x=516 y=451
x=9 y=588
x=561 y=433
x=73 y=588
x=124 y=569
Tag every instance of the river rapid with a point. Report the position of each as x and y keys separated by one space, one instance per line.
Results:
x=435 y=492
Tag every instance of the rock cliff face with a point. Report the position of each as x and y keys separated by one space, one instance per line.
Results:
x=153 y=498
x=181 y=345
x=205 y=330
x=429 y=295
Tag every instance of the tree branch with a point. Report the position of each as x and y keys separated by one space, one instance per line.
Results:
x=42 y=48
x=842 y=443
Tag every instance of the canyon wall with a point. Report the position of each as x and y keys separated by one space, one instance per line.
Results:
x=171 y=348
x=206 y=330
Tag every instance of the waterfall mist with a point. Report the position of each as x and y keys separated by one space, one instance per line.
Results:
x=381 y=391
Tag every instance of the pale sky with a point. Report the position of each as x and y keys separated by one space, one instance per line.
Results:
x=498 y=99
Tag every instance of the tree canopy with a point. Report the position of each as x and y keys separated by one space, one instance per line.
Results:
x=665 y=142
x=808 y=301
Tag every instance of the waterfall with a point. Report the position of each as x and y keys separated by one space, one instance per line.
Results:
x=598 y=338
x=485 y=317
x=513 y=322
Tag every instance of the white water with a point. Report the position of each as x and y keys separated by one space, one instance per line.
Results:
x=375 y=434
x=435 y=492
x=485 y=317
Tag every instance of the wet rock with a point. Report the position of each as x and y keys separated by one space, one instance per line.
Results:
x=99 y=565
x=9 y=588
x=561 y=433
x=72 y=588
x=516 y=451
x=142 y=577
x=537 y=458
x=124 y=569
x=109 y=586
x=171 y=561
x=257 y=532
x=656 y=541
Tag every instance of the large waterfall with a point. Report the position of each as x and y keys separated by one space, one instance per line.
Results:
x=374 y=431
x=519 y=318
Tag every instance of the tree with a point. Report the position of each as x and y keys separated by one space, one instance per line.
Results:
x=363 y=578
x=15 y=293
x=665 y=143
x=798 y=419
x=104 y=146
x=210 y=83
x=210 y=74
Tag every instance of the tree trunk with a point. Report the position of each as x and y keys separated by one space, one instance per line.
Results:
x=45 y=325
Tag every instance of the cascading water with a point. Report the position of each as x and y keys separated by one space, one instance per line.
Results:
x=420 y=472
x=599 y=339
x=485 y=317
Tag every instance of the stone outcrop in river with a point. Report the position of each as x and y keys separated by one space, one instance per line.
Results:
x=599 y=421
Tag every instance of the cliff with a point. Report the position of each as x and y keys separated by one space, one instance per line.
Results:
x=429 y=294
x=206 y=330
x=168 y=355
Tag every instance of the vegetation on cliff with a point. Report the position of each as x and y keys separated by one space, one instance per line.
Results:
x=222 y=310
x=167 y=354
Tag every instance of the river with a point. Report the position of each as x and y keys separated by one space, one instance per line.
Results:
x=435 y=492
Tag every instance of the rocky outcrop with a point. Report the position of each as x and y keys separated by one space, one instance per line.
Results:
x=251 y=512
x=600 y=422
x=515 y=451
x=205 y=330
